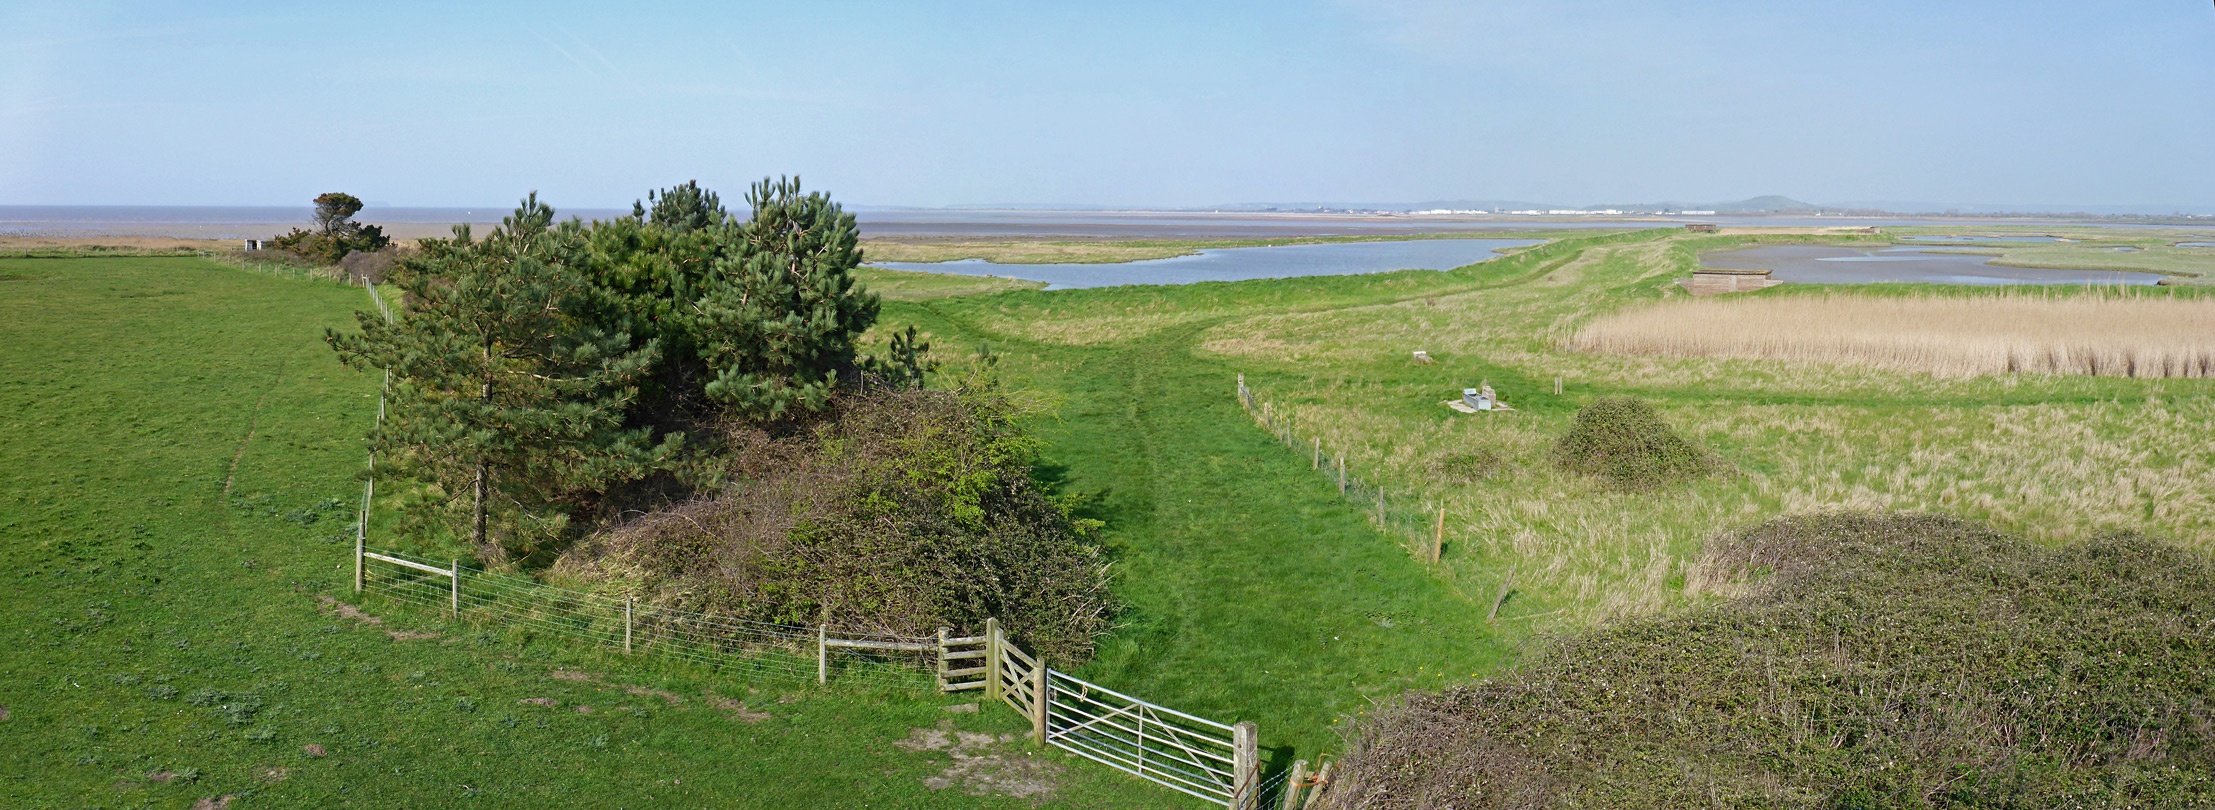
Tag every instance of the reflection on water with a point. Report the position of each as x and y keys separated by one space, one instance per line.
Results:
x=1822 y=264
x=1945 y=238
x=1240 y=264
x=2196 y=244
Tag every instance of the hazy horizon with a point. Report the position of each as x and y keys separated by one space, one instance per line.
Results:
x=2037 y=106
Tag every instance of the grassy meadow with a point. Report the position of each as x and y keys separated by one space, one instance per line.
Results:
x=176 y=498
x=183 y=451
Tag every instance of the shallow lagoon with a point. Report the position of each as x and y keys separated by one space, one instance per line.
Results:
x=1947 y=238
x=1821 y=264
x=1241 y=264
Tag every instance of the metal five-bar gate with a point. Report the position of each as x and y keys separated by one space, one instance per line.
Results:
x=1193 y=755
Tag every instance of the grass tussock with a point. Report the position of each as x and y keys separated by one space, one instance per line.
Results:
x=1622 y=440
x=2101 y=335
x=1900 y=661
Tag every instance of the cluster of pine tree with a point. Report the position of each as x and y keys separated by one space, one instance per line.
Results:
x=541 y=369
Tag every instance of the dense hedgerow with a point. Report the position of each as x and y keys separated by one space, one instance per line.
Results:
x=1908 y=661
x=899 y=511
x=1622 y=440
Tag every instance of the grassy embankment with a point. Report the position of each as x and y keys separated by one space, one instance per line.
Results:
x=175 y=502
x=1258 y=595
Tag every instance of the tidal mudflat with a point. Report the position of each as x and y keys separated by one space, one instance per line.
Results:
x=1823 y=264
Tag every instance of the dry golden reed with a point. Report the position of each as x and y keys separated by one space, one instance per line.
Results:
x=2104 y=335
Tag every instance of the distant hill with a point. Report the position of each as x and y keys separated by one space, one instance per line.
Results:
x=1766 y=204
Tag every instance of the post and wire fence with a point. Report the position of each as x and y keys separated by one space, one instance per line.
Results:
x=1209 y=760
x=1425 y=528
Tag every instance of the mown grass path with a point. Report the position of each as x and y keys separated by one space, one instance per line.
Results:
x=1255 y=591
x=161 y=643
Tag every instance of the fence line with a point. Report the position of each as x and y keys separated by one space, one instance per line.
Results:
x=1198 y=757
x=1422 y=526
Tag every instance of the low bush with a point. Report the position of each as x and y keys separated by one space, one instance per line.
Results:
x=371 y=266
x=896 y=512
x=1622 y=440
x=1909 y=661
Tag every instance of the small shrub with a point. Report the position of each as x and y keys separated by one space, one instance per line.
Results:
x=1622 y=440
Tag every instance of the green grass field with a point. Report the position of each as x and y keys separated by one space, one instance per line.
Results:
x=168 y=641
x=169 y=627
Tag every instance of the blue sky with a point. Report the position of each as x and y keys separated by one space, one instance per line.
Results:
x=1135 y=103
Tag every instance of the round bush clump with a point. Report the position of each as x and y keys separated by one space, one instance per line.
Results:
x=1622 y=440
x=1868 y=661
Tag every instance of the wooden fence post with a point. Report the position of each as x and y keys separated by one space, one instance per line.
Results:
x=822 y=655
x=627 y=625
x=357 y=561
x=991 y=660
x=1245 y=766
x=1318 y=463
x=1322 y=784
x=1039 y=701
x=454 y=570
x=1438 y=536
x=1292 y=786
x=942 y=667
x=1557 y=385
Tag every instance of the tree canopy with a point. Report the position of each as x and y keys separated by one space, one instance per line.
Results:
x=336 y=233
x=546 y=364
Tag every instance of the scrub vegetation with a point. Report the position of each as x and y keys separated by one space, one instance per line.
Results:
x=1897 y=661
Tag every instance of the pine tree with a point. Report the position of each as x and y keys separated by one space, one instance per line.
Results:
x=778 y=322
x=501 y=390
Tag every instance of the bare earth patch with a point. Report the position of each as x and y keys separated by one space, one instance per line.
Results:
x=214 y=802
x=977 y=770
x=275 y=774
x=315 y=750
x=355 y=613
x=547 y=702
x=163 y=777
x=737 y=709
